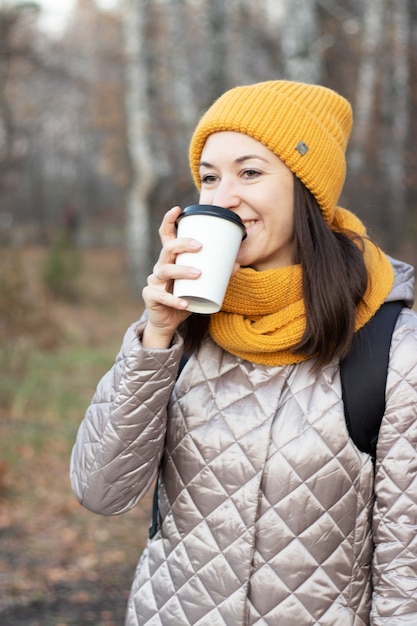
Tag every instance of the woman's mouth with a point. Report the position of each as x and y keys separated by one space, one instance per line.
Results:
x=250 y=224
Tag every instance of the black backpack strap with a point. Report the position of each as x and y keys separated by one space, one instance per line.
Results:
x=155 y=510
x=183 y=362
x=363 y=375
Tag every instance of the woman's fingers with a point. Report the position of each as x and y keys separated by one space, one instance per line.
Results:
x=166 y=311
x=155 y=297
x=165 y=273
x=165 y=270
x=167 y=229
x=173 y=247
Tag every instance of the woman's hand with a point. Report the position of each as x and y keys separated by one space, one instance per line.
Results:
x=165 y=311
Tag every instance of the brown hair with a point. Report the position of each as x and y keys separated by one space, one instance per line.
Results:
x=334 y=282
x=334 y=279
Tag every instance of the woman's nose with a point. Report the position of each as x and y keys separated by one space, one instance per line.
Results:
x=226 y=195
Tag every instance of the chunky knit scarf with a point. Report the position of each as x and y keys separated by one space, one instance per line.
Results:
x=263 y=315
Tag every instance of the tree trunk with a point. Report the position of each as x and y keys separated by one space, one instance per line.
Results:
x=183 y=96
x=300 y=41
x=365 y=94
x=395 y=103
x=217 y=49
x=138 y=235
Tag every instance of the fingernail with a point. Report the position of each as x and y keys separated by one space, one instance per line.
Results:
x=194 y=271
x=195 y=244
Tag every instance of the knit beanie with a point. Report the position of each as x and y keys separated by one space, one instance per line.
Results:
x=306 y=126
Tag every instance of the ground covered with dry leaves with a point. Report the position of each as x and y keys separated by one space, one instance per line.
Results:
x=61 y=565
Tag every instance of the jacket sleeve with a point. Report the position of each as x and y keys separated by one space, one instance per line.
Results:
x=395 y=511
x=120 y=441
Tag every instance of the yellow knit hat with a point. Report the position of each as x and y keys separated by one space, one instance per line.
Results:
x=307 y=126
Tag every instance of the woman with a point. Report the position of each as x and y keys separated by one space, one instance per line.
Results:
x=269 y=513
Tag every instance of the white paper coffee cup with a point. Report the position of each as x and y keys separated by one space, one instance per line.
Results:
x=220 y=232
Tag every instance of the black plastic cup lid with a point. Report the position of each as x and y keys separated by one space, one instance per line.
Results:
x=214 y=211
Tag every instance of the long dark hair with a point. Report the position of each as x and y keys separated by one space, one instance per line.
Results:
x=334 y=279
x=334 y=282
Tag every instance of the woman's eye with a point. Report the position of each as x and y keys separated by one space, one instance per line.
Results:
x=251 y=173
x=208 y=179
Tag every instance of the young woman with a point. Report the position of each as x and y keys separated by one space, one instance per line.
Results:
x=268 y=511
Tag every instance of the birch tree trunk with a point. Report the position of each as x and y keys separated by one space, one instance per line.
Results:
x=217 y=49
x=367 y=78
x=300 y=41
x=138 y=235
x=181 y=94
x=395 y=102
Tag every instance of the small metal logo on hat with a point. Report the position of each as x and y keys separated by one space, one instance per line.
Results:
x=302 y=148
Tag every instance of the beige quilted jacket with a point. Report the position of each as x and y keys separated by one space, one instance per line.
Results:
x=268 y=514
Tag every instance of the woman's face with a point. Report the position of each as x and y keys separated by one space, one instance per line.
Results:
x=241 y=174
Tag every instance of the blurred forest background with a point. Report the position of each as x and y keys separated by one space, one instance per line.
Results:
x=95 y=120
x=95 y=123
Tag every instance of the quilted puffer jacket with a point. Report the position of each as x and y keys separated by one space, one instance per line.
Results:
x=269 y=513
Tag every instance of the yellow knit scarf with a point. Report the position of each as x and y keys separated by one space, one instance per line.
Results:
x=263 y=314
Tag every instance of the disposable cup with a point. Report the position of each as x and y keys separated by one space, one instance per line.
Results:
x=220 y=232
